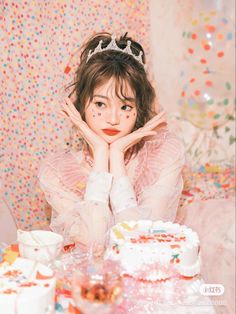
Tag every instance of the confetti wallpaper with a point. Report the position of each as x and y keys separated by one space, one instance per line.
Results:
x=39 y=41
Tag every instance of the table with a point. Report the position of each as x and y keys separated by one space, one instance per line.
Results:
x=139 y=297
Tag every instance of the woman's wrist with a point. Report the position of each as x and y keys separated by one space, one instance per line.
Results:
x=117 y=163
x=100 y=160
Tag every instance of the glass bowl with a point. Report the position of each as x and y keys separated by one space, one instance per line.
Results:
x=96 y=291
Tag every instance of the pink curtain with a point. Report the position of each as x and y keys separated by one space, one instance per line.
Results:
x=39 y=43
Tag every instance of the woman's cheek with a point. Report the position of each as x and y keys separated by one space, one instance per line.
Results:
x=128 y=120
x=96 y=114
x=129 y=116
x=94 y=118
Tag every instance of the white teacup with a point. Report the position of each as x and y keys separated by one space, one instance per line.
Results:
x=39 y=245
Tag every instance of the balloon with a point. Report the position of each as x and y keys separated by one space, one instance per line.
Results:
x=207 y=100
x=207 y=96
x=209 y=42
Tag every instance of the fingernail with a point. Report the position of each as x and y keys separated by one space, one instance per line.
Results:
x=62 y=113
x=67 y=100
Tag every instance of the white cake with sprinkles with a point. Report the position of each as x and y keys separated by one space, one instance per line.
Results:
x=154 y=250
x=26 y=287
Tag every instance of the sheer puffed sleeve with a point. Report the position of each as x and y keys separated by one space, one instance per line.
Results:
x=155 y=189
x=79 y=198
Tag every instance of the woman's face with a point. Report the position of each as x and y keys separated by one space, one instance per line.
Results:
x=108 y=115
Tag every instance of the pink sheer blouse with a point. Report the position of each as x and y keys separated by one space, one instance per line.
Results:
x=86 y=203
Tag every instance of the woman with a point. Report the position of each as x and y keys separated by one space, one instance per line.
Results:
x=129 y=166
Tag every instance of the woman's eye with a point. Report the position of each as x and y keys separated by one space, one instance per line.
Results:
x=100 y=104
x=126 y=108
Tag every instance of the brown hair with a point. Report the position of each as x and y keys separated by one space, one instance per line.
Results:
x=113 y=64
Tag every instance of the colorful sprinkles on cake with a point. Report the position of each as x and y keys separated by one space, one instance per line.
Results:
x=160 y=238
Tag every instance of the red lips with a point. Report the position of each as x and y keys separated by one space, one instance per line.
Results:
x=111 y=132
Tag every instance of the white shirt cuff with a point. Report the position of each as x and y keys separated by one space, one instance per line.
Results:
x=98 y=186
x=122 y=195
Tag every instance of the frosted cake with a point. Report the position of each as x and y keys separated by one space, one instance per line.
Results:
x=26 y=287
x=154 y=250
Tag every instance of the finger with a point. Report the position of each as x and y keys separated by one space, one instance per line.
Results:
x=68 y=101
x=72 y=107
x=83 y=128
x=75 y=116
x=77 y=122
x=138 y=137
x=145 y=133
x=161 y=124
x=65 y=108
x=156 y=118
x=68 y=109
x=63 y=113
x=158 y=121
x=160 y=114
x=154 y=124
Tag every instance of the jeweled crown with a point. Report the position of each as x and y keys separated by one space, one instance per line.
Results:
x=113 y=46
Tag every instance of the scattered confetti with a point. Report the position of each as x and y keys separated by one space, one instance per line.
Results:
x=209 y=181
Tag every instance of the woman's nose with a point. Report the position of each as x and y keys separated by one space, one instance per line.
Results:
x=113 y=117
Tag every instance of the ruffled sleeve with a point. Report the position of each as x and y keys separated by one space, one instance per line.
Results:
x=76 y=210
x=155 y=189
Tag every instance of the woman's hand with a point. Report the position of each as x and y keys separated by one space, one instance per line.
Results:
x=97 y=145
x=120 y=146
x=124 y=143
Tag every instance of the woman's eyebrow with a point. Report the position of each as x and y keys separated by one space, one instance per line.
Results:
x=102 y=96
x=130 y=99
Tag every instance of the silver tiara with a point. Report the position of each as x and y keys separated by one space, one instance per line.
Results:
x=113 y=46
